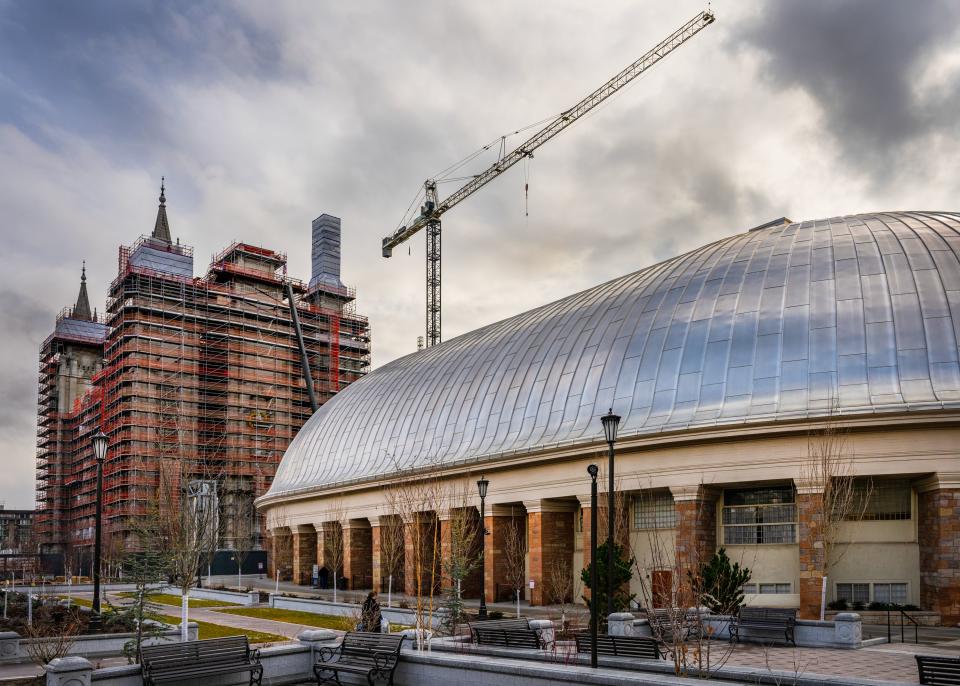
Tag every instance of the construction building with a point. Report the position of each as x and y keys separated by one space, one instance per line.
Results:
x=195 y=379
x=18 y=554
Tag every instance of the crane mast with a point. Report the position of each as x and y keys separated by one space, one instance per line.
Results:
x=433 y=208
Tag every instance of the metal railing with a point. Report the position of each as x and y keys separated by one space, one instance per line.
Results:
x=903 y=616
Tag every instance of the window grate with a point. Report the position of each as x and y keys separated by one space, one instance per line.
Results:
x=884 y=500
x=654 y=510
x=753 y=516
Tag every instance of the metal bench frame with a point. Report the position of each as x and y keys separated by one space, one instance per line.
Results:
x=769 y=620
x=507 y=637
x=936 y=670
x=640 y=647
x=170 y=662
x=372 y=655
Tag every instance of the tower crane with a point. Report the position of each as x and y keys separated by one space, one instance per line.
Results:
x=433 y=208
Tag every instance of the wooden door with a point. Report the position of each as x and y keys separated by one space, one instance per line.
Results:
x=661 y=587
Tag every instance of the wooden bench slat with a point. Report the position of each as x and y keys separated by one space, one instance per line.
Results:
x=179 y=661
x=360 y=653
x=937 y=670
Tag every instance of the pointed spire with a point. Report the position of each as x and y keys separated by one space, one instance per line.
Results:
x=161 y=229
x=82 y=309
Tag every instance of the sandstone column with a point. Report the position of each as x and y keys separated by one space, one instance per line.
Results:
x=938 y=500
x=283 y=552
x=550 y=540
x=810 y=532
x=696 y=532
x=358 y=554
x=498 y=519
x=420 y=556
x=304 y=553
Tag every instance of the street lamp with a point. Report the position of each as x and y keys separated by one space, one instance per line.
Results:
x=482 y=485
x=610 y=423
x=99 y=442
x=592 y=470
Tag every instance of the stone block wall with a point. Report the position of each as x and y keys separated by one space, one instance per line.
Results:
x=810 y=539
x=495 y=557
x=550 y=540
x=304 y=554
x=420 y=554
x=939 y=533
x=358 y=555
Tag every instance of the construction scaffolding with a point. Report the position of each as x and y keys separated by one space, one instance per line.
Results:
x=200 y=377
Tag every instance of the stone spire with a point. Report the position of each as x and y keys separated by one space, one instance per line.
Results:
x=82 y=309
x=161 y=229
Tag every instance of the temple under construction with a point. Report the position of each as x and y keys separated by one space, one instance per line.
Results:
x=198 y=379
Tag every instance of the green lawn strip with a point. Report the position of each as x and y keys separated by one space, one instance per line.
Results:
x=170 y=599
x=79 y=601
x=295 y=617
x=210 y=630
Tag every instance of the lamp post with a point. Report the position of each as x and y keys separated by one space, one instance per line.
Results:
x=99 y=442
x=610 y=423
x=482 y=485
x=592 y=470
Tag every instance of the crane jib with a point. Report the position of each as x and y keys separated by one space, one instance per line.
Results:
x=566 y=119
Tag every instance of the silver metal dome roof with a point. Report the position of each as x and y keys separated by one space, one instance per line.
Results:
x=860 y=313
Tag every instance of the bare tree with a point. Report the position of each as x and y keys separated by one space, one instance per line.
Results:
x=333 y=550
x=417 y=500
x=462 y=556
x=515 y=556
x=828 y=473
x=185 y=521
x=562 y=586
x=244 y=527
x=391 y=551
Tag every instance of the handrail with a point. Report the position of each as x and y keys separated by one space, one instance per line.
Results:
x=903 y=615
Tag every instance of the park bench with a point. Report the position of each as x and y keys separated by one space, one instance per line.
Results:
x=506 y=633
x=640 y=647
x=938 y=671
x=169 y=662
x=771 y=621
x=372 y=655
x=663 y=621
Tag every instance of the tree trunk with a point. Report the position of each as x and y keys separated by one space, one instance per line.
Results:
x=184 y=615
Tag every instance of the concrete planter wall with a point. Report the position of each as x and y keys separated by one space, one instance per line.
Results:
x=287 y=664
x=844 y=632
x=235 y=597
x=14 y=648
x=394 y=615
x=63 y=589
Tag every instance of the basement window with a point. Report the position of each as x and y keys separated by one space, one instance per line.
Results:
x=755 y=516
x=654 y=510
x=774 y=588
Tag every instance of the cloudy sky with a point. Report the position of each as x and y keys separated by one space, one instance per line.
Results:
x=262 y=115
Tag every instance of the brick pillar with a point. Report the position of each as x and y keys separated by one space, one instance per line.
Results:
x=585 y=542
x=498 y=519
x=938 y=505
x=550 y=539
x=269 y=545
x=420 y=539
x=283 y=552
x=813 y=560
x=358 y=554
x=375 y=574
x=696 y=533
x=304 y=553
x=326 y=535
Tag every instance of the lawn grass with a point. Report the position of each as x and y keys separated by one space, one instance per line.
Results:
x=296 y=617
x=210 y=630
x=79 y=601
x=170 y=599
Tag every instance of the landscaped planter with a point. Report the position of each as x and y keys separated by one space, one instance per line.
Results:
x=14 y=648
x=394 y=615
x=235 y=597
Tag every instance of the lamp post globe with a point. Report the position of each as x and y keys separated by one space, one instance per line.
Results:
x=611 y=422
x=482 y=486
x=99 y=443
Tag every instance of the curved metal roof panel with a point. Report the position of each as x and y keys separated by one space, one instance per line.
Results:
x=857 y=313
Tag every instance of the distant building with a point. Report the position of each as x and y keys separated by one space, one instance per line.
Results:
x=18 y=551
x=726 y=365
x=194 y=379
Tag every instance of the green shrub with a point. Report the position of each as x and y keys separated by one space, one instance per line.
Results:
x=719 y=583
x=622 y=573
x=839 y=605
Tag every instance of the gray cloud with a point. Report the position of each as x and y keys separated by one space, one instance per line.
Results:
x=864 y=62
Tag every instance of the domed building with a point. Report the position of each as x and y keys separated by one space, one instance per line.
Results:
x=735 y=369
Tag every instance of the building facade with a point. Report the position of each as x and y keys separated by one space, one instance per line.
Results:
x=18 y=550
x=752 y=375
x=197 y=381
